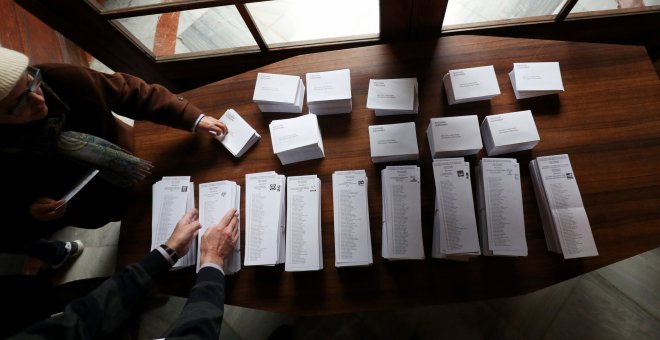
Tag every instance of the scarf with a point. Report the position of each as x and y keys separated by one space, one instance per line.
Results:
x=117 y=166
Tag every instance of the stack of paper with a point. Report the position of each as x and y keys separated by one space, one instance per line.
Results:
x=264 y=218
x=499 y=202
x=455 y=234
x=351 y=214
x=535 y=79
x=402 y=220
x=393 y=96
x=241 y=135
x=509 y=132
x=565 y=223
x=297 y=139
x=393 y=142
x=454 y=136
x=471 y=84
x=172 y=198
x=215 y=199
x=329 y=92
x=304 y=249
x=279 y=93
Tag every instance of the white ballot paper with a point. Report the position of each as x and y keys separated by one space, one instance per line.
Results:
x=501 y=219
x=402 y=220
x=173 y=196
x=471 y=84
x=304 y=249
x=351 y=216
x=565 y=223
x=264 y=219
x=393 y=142
x=454 y=136
x=393 y=96
x=297 y=139
x=279 y=93
x=241 y=135
x=455 y=235
x=535 y=79
x=509 y=132
x=78 y=186
x=215 y=199
x=329 y=92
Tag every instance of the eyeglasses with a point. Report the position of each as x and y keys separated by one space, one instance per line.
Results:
x=35 y=73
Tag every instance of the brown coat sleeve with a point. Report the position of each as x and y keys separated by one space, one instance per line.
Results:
x=90 y=91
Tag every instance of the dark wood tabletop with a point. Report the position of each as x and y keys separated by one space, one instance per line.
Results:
x=607 y=121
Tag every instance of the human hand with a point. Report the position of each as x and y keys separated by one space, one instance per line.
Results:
x=184 y=233
x=46 y=209
x=219 y=241
x=212 y=126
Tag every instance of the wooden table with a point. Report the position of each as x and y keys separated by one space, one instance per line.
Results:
x=607 y=120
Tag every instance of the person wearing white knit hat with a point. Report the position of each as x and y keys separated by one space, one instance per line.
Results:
x=56 y=125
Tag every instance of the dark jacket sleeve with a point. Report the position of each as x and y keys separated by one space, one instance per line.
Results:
x=101 y=312
x=86 y=91
x=201 y=317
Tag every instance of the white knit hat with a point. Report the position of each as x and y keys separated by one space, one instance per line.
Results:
x=12 y=66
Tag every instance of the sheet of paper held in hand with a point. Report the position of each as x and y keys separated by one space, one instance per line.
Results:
x=78 y=186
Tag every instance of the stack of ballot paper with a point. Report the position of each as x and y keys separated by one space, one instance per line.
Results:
x=393 y=96
x=499 y=202
x=241 y=135
x=279 y=93
x=393 y=142
x=264 y=218
x=471 y=84
x=565 y=223
x=455 y=234
x=402 y=220
x=454 y=136
x=329 y=92
x=304 y=249
x=172 y=198
x=535 y=79
x=215 y=199
x=509 y=132
x=351 y=214
x=297 y=139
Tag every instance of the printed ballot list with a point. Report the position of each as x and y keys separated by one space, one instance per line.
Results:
x=264 y=220
x=215 y=199
x=402 y=221
x=172 y=196
x=565 y=223
x=454 y=224
x=351 y=219
x=303 y=224
x=501 y=219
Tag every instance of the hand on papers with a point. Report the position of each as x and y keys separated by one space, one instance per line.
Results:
x=46 y=209
x=184 y=233
x=212 y=126
x=219 y=241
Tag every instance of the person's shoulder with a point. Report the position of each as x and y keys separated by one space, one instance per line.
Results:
x=49 y=68
x=67 y=73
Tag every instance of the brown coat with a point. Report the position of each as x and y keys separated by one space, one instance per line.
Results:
x=86 y=99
